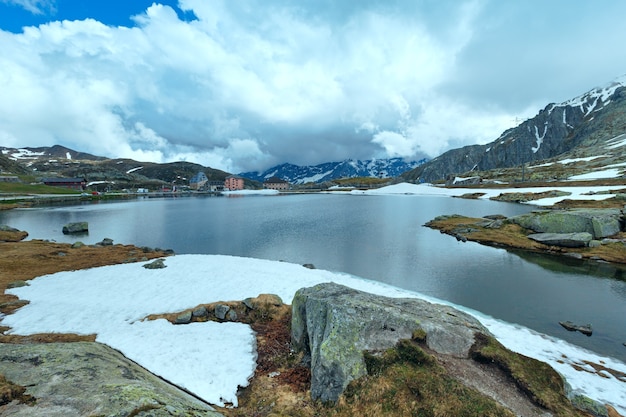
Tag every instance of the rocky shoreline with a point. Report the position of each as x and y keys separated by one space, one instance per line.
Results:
x=592 y=234
x=50 y=375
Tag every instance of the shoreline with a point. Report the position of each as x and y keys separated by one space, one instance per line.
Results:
x=58 y=256
x=53 y=256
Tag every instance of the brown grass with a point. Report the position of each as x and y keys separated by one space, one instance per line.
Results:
x=11 y=392
x=537 y=379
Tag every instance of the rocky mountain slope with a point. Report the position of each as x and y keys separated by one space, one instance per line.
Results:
x=10 y=167
x=114 y=173
x=295 y=174
x=591 y=125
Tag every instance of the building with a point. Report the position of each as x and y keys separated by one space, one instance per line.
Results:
x=214 y=186
x=275 y=183
x=233 y=182
x=73 y=183
x=198 y=181
x=9 y=178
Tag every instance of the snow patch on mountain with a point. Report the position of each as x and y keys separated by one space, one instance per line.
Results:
x=616 y=142
x=540 y=137
x=595 y=175
x=21 y=154
x=598 y=97
x=133 y=170
x=350 y=168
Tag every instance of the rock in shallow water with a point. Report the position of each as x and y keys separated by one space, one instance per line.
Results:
x=572 y=327
x=78 y=227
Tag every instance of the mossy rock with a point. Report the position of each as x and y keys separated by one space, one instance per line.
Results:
x=86 y=378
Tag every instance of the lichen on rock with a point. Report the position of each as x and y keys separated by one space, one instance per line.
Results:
x=333 y=325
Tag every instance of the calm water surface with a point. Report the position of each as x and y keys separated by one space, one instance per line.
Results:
x=376 y=237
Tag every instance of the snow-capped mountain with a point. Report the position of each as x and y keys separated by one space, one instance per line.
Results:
x=295 y=174
x=585 y=121
x=30 y=155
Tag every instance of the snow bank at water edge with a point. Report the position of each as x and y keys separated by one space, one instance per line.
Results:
x=575 y=193
x=212 y=359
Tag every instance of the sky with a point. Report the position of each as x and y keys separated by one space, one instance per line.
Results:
x=244 y=86
x=112 y=301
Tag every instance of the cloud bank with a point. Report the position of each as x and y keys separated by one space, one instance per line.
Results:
x=244 y=86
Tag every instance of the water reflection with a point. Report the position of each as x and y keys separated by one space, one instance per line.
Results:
x=572 y=265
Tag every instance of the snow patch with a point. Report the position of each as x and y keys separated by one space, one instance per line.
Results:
x=596 y=175
x=586 y=159
x=591 y=98
x=133 y=170
x=540 y=138
x=89 y=184
x=211 y=359
x=599 y=192
x=314 y=178
x=18 y=154
x=616 y=142
x=547 y=164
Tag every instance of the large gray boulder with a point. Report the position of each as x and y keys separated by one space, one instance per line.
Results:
x=599 y=223
x=333 y=325
x=567 y=240
x=90 y=379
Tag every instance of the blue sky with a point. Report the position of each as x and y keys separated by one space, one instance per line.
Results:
x=246 y=85
x=15 y=14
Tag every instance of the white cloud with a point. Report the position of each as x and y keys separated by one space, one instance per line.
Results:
x=394 y=143
x=34 y=6
x=244 y=85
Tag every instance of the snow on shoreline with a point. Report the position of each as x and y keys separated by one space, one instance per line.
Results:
x=576 y=193
x=213 y=359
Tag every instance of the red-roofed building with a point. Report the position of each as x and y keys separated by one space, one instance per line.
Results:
x=73 y=183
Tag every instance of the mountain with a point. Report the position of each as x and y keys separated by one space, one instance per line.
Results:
x=585 y=122
x=10 y=167
x=52 y=152
x=295 y=174
x=59 y=161
x=126 y=173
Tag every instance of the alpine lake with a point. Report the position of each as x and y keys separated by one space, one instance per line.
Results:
x=379 y=238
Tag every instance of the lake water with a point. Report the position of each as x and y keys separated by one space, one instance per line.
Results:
x=375 y=237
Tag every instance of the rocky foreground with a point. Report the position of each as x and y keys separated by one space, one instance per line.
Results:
x=335 y=351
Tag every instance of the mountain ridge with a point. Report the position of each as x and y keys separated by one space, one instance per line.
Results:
x=584 y=121
x=59 y=160
x=328 y=171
